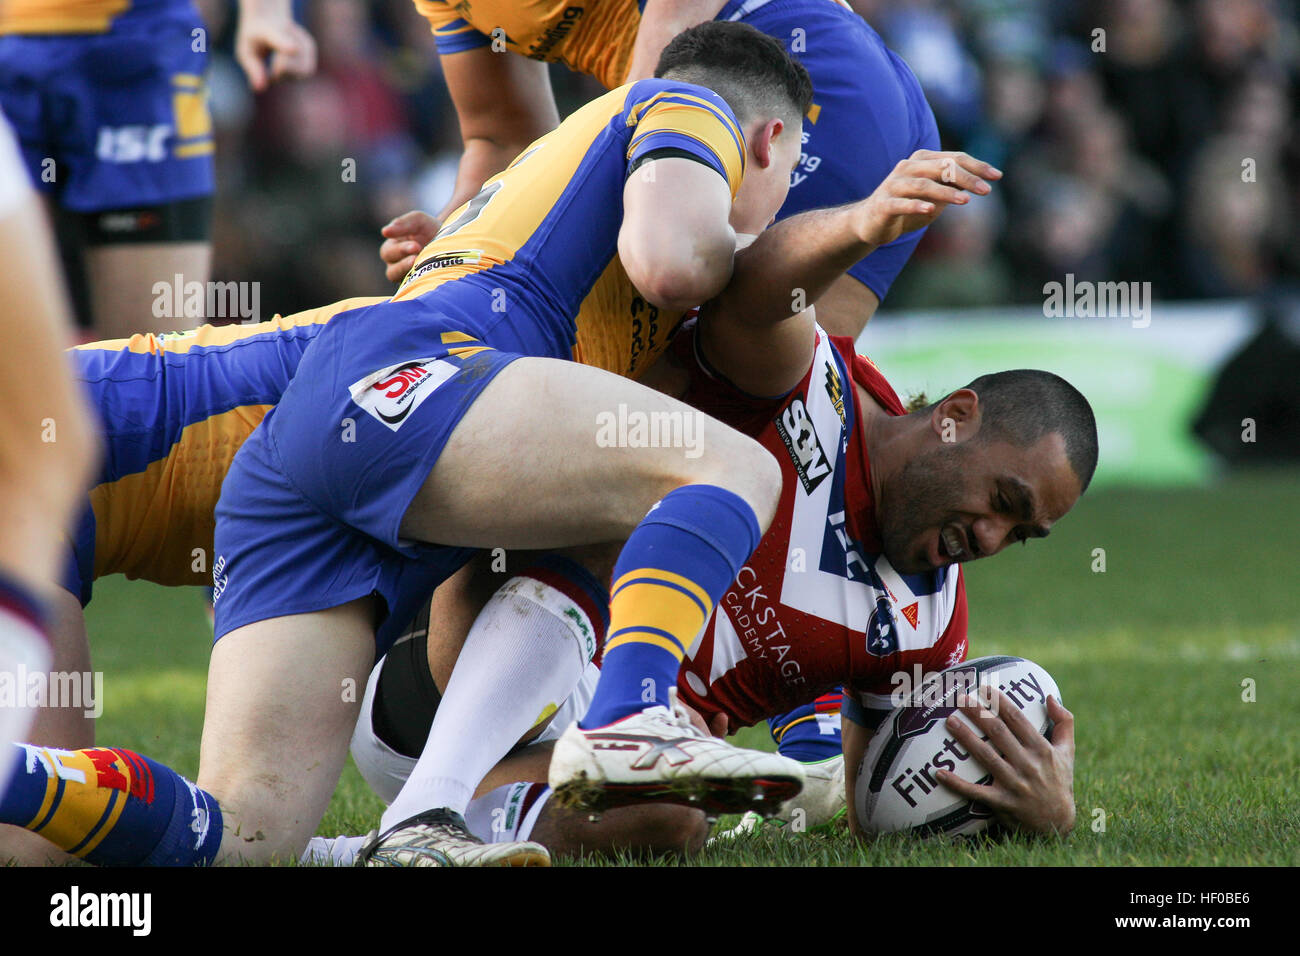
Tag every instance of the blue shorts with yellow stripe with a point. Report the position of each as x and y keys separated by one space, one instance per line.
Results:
x=310 y=511
x=114 y=120
x=868 y=113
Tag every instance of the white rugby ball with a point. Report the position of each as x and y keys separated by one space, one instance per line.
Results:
x=896 y=787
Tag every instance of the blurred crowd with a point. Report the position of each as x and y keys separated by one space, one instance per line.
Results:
x=1143 y=140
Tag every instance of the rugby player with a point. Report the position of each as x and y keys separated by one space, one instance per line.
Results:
x=109 y=100
x=216 y=380
x=856 y=580
x=171 y=410
x=868 y=111
x=47 y=449
x=334 y=524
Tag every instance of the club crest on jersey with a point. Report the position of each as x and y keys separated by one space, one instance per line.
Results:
x=392 y=393
x=800 y=438
x=882 y=630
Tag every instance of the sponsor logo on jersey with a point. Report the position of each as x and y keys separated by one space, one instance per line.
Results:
x=835 y=389
x=459 y=257
x=391 y=394
x=882 y=630
x=800 y=438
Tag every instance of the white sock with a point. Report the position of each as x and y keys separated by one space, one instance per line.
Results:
x=332 y=851
x=507 y=813
x=524 y=655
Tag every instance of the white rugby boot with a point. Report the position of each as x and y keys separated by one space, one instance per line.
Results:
x=816 y=809
x=659 y=756
x=440 y=838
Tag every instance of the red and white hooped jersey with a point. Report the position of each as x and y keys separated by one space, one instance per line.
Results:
x=817 y=605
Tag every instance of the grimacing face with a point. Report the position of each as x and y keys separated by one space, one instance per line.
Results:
x=968 y=500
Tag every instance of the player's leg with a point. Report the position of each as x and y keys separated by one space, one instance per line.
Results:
x=132 y=286
x=278 y=718
x=468 y=698
x=274 y=741
x=512 y=803
x=527 y=466
x=139 y=172
x=521 y=659
x=65 y=727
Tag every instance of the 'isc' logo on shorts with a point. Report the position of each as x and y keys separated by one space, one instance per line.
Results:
x=133 y=144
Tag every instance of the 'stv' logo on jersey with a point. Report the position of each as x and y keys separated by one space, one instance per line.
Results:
x=882 y=630
x=796 y=430
x=391 y=394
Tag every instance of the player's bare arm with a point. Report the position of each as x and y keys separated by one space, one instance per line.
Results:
x=675 y=241
x=270 y=45
x=503 y=103
x=661 y=20
x=745 y=331
x=1033 y=778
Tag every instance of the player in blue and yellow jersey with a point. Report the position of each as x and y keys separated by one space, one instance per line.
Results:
x=110 y=103
x=868 y=111
x=171 y=410
x=417 y=430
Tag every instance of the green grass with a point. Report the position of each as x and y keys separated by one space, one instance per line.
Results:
x=1201 y=591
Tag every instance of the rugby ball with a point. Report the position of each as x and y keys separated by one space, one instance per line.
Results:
x=896 y=788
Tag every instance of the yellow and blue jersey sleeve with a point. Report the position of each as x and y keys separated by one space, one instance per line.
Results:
x=452 y=33
x=537 y=248
x=594 y=37
x=699 y=125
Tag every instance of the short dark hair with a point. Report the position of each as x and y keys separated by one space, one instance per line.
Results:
x=747 y=68
x=1022 y=405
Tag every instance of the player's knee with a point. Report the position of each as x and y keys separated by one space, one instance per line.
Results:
x=752 y=473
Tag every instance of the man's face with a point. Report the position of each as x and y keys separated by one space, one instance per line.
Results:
x=971 y=499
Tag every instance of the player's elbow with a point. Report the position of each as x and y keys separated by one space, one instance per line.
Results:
x=681 y=272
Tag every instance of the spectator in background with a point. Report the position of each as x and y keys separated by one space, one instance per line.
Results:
x=1124 y=163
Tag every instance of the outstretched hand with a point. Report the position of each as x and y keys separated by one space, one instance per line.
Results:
x=918 y=190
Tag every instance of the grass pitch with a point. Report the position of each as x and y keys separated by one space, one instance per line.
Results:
x=1180 y=661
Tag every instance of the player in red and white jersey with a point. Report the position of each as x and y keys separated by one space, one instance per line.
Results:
x=854 y=581
x=818 y=604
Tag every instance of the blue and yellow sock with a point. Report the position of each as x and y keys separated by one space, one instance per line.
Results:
x=810 y=733
x=677 y=563
x=111 y=807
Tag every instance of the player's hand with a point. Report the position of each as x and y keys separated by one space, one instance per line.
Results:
x=1033 y=779
x=918 y=190
x=404 y=237
x=717 y=727
x=269 y=31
